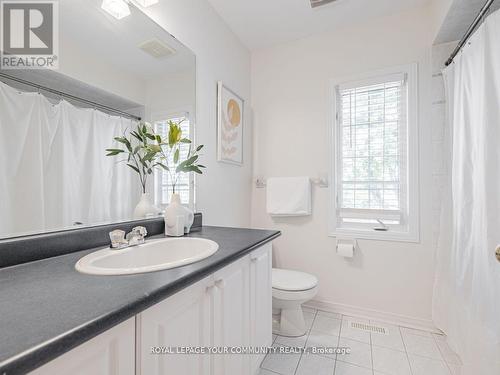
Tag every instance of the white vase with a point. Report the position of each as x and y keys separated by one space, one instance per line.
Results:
x=145 y=208
x=178 y=219
x=174 y=217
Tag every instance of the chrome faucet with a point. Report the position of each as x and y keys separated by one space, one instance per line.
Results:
x=121 y=241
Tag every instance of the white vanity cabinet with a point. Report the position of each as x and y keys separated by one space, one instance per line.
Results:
x=261 y=320
x=231 y=308
x=231 y=314
x=182 y=320
x=110 y=353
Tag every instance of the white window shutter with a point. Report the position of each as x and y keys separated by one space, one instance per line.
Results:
x=163 y=183
x=372 y=122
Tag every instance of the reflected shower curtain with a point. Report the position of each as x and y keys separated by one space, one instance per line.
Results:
x=467 y=287
x=53 y=168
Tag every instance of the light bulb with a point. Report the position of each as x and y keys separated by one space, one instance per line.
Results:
x=117 y=8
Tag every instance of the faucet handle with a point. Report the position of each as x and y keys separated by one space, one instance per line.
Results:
x=141 y=231
x=117 y=238
x=136 y=236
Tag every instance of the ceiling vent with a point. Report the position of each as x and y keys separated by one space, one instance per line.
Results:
x=318 y=3
x=156 y=48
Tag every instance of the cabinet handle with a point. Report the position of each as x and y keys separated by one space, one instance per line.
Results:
x=255 y=258
x=220 y=283
x=209 y=288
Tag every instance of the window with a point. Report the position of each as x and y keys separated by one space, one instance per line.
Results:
x=375 y=156
x=162 y=181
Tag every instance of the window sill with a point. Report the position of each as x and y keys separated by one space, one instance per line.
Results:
x=370 y=234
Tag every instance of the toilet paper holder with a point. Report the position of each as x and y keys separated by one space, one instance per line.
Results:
x=346 y=240
x=347 y=247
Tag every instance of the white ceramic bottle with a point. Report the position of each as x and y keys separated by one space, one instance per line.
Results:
x=175 y=217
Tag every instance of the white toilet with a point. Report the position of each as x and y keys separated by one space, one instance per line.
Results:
x=290 y=290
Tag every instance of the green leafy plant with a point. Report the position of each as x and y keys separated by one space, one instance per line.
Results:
x=141 y=149
x=170 y=154
x=146 y=151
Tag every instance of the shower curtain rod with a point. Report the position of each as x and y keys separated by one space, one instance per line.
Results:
x=69 y=96
x=470 y=30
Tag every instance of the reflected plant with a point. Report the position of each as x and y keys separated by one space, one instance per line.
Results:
x=146 y=151
x=141 y=149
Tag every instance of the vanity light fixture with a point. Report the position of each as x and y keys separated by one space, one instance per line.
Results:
x=146 y=3
x=116 y=8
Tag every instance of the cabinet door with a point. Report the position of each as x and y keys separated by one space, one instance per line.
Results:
x=110 y=353
x=182 y=320
x=260 y=301
x=231 y=317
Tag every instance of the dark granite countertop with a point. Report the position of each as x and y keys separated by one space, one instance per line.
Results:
x=47 y=308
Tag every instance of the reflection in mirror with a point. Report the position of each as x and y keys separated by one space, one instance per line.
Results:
x=56 y=125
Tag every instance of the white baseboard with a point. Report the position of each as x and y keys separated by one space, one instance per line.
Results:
x=382 y=316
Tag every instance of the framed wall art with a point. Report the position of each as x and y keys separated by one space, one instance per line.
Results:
x=230 y=109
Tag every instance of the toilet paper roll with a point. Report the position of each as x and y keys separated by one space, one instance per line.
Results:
x=345 y=250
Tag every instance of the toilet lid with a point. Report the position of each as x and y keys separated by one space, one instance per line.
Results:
x=293 y=280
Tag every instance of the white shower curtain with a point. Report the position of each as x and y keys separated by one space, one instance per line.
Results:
x=53 y=168
x=467 y=288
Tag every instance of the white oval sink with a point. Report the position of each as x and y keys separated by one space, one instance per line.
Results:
x=154 y=255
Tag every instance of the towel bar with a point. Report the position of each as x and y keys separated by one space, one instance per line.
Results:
x=320 y=182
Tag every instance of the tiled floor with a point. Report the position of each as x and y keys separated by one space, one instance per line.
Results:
x=401 y=351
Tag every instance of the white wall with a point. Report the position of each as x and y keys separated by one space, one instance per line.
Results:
x=171 y=93
x=224 y=191
x=290 y=100
x=78 y=64
x=439 y=11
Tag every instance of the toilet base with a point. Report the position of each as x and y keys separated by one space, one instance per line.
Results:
x=290 y=322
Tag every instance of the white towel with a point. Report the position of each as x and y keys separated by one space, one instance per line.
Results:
x=288 y=196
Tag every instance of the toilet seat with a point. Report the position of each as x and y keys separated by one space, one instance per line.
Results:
x=292 y=281
x=301 y=295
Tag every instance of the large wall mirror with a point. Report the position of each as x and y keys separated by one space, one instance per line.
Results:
x=55 y=125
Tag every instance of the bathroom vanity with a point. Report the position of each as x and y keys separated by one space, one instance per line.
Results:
x=55 y=320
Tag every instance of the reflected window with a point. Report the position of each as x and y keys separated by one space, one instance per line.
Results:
x=163 y=179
